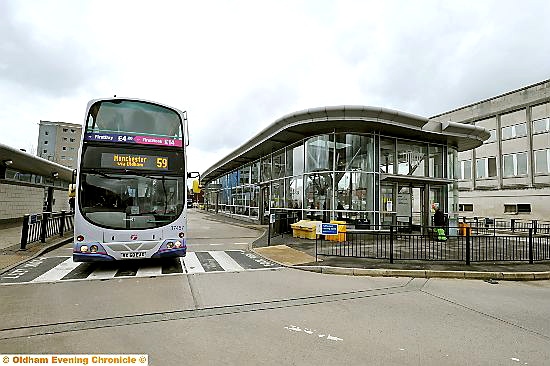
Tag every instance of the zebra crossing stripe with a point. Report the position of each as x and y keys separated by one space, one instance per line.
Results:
x=103 y=273
x=192 y=264
x=55 y=269
x=226 y=262
x=58 y=272
x=149 y=271
x=208 y=263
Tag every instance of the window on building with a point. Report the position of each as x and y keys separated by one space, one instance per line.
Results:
x=541 y=125
x=515 y=164
x=295 y=160
x=524 y=208
x=46 y=133
x=492 y=138
x=515 y=208
x=64 y=148
x=63 y=157
x=44 y=151
x=486 y=167
x=466 y=207
x=64 y=139
x=71 y=139
x=65 y=129
x=255 y=172
x=46 y=142
x=278 y=165
x=542 y=157
x=72 y=130
x=515 y=131
x=465 y=172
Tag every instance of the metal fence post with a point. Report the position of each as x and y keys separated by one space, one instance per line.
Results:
x=44 y=226
x=513 y=224
x=535 y=222
x=269 y=233
x=315 y=248
x=531 y=245
x=25 y=232
x=391 y=243
x=62 y=223
x=467 y=246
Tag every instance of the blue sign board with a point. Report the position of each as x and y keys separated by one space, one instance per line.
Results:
x=327 y=229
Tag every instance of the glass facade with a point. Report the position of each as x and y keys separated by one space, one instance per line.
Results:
x=336 y=176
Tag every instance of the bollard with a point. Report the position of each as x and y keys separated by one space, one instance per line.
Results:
x=391 y=244
x=531 y=245
x=467 y=247
x=44 y=226
x=62 y=223
x=25 y=232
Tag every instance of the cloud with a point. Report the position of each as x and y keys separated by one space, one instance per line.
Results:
x=238 y=66
x=38 y=63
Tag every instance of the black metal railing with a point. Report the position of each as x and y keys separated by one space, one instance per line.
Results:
x=468 y=244
x=39 y=227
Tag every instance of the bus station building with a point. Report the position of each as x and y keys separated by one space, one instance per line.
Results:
x=357 y=164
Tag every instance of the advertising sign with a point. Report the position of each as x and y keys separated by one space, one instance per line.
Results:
x=129 y=139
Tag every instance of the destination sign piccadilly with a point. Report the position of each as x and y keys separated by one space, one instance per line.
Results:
x=134 y=161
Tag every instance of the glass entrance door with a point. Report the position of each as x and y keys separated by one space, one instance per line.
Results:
x=387 y=210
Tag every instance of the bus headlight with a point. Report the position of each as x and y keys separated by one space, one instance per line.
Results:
x=84 y=248
x=79 y=238
x=181 y=235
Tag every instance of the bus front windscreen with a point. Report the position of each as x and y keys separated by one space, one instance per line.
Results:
x=130 y=201
x=134 y=119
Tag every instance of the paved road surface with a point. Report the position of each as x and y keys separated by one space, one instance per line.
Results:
x=280 y=317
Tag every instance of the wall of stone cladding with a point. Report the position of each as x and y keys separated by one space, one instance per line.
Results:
x=18 y=200
x=61 y=200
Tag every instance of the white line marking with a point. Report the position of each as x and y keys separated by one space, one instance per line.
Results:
x=149 y=271
x=57 y=272
x=191 y=263
x=227 y=263
x=100 y=274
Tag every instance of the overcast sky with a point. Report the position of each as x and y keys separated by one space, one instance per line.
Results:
x=237 y=66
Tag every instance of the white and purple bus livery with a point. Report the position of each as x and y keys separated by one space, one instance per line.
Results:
x=131 y=182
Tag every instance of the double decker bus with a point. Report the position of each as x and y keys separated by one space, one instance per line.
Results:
x=131 y=189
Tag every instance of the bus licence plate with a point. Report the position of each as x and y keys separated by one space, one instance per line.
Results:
x=130 y=255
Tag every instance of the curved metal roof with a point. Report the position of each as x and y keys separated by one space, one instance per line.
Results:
x=348 y=118
x=24 y=162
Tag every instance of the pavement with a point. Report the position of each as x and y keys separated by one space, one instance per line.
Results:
x=300 y=254
x=11 y=254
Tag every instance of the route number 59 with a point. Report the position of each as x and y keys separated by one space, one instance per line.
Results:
x=162 y=163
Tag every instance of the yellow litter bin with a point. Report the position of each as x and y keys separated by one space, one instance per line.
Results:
x=304 y=229
x=341 y=236
x=464 y=229
x=297 y=229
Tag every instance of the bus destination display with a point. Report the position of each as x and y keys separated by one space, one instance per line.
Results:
x=134 y=161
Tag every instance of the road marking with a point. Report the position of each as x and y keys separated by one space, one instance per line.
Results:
x=100 y=273
x=227 y=263
x=192 y=264
x=149 y=271
x=61 y=269
x=58 y=272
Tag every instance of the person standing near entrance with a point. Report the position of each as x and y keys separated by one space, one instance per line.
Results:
x=439 y=223
x=439 y=218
